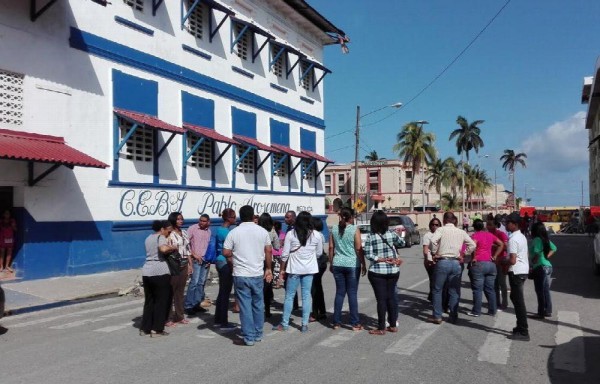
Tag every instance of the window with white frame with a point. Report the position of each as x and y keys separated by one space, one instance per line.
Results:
x=409 y=175
x=138 y=5
x=247 y=163
x=11 y=98
x=140 y=146
x=201 y=158
x=309 y=174
x=328 y=184
x=279 y=64
x=243 y=44
x=307 y=81
x=195 y=23
x=283 y=168
x=341 y=183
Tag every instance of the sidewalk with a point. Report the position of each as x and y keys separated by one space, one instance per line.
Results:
x=35 y=295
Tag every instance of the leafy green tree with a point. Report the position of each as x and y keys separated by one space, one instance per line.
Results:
x=510 y=160
x=372 y=156
x=468 y=136
x=450 y=201
x=415 y=146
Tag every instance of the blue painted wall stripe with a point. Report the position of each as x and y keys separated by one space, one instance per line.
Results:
x=122 y=54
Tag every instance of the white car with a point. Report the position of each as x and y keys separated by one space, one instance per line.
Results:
x=596 y=255
x=364 y=230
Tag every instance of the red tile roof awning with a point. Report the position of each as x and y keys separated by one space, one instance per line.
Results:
x=317 y=157
x=253 y=142
x=288 y=151
x=15 y=145
x=147 y=121
x=208 y=133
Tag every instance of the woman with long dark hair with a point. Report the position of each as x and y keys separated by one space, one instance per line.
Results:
x=540 y=251
x=179 y=238
x=347 y=261
x=157 y=281
x=266 y=221
x=299 y=258
x=384 y=271
x=318 y=296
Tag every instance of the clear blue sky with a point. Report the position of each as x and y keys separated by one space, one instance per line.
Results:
x=523 y=76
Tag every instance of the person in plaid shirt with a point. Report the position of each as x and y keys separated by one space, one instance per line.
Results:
x=384 y=271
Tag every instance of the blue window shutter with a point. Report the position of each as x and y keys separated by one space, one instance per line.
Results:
x=243 y=123
x=134 y=93
x=308 y=140
x=198 y=111
x=280 y=133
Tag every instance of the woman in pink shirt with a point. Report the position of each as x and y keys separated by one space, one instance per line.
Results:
x=483 y=268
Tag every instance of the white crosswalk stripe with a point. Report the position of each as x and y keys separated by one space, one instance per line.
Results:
x=496 y=348
x=113 y=328
x=569 y=354
x=96 y=319
x=409 y=343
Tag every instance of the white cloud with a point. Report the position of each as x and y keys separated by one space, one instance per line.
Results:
x=560 y=147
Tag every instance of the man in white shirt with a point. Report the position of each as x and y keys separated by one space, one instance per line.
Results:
x=518 y=259
x=448 y=242
x=249 y=246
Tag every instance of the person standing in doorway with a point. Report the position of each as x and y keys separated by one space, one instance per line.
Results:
x=8 y=229
x=249 y=248
x=199 y=236
x=517 y=274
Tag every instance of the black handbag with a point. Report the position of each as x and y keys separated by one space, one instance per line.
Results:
x=173 y=260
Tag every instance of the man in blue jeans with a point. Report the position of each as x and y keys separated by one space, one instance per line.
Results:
x=447 y=243
x=249 y=246
x=199 y=235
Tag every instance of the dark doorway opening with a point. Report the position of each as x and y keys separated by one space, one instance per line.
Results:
x=6 y=199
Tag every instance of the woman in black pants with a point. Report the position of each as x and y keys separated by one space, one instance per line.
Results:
x=384 y=271
x=157 y=281
x=266 y=221
x=318 y=297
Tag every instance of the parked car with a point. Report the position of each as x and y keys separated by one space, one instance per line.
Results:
x=364 y=230
x=406 y=229
x=596 y=255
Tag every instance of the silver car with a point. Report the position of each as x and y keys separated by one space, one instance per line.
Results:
x=406 y=229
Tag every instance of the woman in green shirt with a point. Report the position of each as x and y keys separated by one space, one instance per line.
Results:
x=540 y=250
x=347 y=261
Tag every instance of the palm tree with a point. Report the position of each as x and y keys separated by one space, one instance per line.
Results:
x=468 y=137
x=435 y=176
x=482 y=183
x=450 y=201
x=451 y=174
x=510 y=161
x=372 y=156
x=415 y=146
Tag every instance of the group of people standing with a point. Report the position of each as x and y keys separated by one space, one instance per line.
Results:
x=491 y=253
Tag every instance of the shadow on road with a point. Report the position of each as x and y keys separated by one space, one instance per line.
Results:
x=566 y=366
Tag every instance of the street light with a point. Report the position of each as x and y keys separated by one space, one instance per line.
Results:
x=422 y=122
x=357 y=143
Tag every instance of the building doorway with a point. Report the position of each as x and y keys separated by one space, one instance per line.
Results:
x=6 y=198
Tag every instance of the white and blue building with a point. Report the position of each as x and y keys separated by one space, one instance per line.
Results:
x=114 y=114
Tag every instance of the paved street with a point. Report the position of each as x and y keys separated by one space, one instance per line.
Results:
x=96 y=342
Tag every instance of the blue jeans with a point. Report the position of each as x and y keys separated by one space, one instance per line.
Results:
x=195 y=292
x=446 y=272
x=346 y=282
x=541 y=280
x=483 y=277
x=293 y=280
x=249 y=293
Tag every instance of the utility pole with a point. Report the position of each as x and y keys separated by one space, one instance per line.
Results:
x=356 y=145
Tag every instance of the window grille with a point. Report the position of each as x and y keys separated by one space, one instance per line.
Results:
x=279 y=65
x=308 y=79
x=310 y=175
x=247 y=164
x=241 y=48
x=140 y=145
x=283 y=169
x=137 y=5
x=195 y=23
x=202 y=157
x=11 y=98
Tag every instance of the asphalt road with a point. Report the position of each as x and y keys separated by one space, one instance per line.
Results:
x=97 y=342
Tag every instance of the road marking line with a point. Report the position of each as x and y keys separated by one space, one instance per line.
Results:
x=415 y=285
x=95 y=319
x=75 y=314
x=206 y=336
x=115 y=327
x=409 y=343
x=496 y=348
x=569 y=353
x=337 y=340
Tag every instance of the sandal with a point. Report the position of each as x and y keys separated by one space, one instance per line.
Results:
x=379 y=332
x=357 y=328
x=392 y=329
x=184 y=321
x=336 y=326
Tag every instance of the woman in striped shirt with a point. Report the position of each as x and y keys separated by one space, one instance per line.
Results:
x=384 y=271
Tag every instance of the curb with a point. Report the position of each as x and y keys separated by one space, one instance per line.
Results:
x=61 y=303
